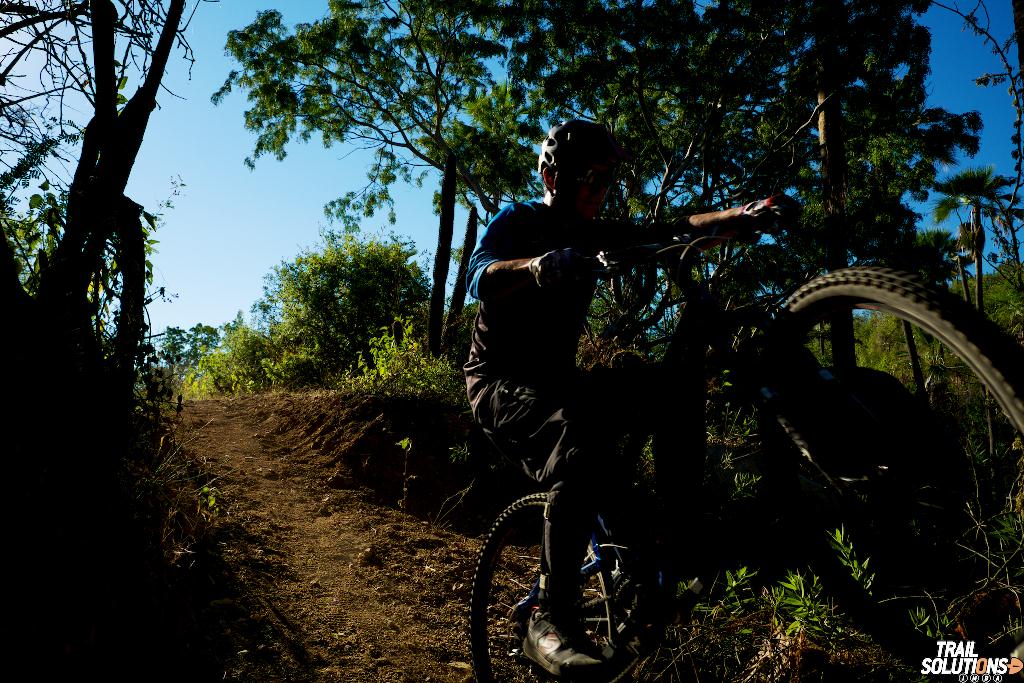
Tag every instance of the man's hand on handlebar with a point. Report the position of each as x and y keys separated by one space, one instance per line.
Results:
x=560 y=266
x=771 y=214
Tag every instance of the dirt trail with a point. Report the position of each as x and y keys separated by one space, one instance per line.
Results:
x=319 y=581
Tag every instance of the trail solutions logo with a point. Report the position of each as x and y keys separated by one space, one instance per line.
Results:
x=959 y=658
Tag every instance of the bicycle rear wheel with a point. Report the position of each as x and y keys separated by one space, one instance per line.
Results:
x=907 y=460
x=505 y=589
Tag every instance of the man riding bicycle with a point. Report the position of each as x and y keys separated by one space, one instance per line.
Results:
x=533 y=274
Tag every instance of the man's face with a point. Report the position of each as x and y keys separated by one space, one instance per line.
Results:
x=591 y=188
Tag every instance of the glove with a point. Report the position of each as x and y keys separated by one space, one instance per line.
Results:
x=558 y=266
x=768 y=215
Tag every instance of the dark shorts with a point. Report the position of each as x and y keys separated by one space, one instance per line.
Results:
x=568 y=431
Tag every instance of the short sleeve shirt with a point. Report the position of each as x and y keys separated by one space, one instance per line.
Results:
x=531 y=335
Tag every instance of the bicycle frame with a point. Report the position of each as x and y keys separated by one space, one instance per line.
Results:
x=701 y=324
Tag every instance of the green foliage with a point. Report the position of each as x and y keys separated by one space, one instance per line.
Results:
x=208 y=503
x=321 y=310
x=182 y=350
x=800 y=601
x=739 y=595
x=1004 y=304
x=843 y=545
x=969 y=188
x=414 y=81
x=242 y=363
x=328 y=318
x=935 y=625
x=459 y=454
x=399 y=366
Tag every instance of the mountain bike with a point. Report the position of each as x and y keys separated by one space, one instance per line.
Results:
x=847 y=453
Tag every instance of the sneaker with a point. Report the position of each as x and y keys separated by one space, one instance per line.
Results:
x=558 y=653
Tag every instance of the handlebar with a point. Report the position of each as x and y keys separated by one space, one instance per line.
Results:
x=608 y=264
x=764 y=216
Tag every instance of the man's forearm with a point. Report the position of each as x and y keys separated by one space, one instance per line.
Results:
x=505 y=277
x=715 y=226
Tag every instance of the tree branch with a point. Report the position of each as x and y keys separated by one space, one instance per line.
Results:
x=70 y=13
x=28 y=46
x=131 y=125
x=103 y=18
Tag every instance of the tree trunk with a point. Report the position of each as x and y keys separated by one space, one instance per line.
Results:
x=459 y=292
x=963 y=281
x=915 y=360
x=442 y=257
x=833 y=179
x=978 y=233
x=67 y=435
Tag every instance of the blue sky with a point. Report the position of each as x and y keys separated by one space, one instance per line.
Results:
x=230 y=226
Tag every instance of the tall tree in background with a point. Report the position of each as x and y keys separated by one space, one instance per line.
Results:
x=435 y=323
x=979 y=191
x=73 y=276
x=832 y=80
x=892 y=144
x=410 y=82
x=455 y=309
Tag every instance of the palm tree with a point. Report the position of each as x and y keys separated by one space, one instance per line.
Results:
x=935 y=256
x=978 y=190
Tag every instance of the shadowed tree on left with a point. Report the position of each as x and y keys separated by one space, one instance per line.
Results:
x=73 y=279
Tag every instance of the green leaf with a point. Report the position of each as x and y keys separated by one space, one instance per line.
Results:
x=35 y=201
x=45 y=185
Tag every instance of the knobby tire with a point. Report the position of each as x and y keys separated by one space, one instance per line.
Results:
x=994 y=358
x=491 y=642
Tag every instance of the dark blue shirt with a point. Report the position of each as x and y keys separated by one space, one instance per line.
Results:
x=531 y=334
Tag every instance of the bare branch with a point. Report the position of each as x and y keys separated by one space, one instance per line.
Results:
x=11 y=103
x=70 y=13
x=28 y=46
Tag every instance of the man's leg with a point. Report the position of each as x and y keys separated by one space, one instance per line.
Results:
x=531 y=426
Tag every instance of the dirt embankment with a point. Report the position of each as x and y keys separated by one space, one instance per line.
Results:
x=334 y=553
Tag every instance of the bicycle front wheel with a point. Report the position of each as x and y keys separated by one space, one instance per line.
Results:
x=913 y=449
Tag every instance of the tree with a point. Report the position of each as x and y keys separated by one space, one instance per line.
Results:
x=980 y=191
x=435 y=323
x=410 y=81
x=892 y=143
x=393 y=77
x=455 y=309
x=181 y=350
x=74 y=302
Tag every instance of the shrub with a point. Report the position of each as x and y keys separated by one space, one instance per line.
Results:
x=400 y=366
x=244 y=362
x=322 y=309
